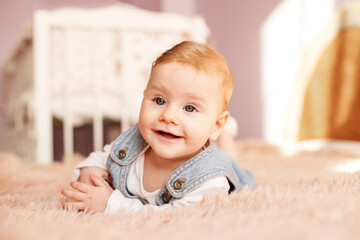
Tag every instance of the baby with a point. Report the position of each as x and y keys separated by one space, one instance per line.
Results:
x=168 y=159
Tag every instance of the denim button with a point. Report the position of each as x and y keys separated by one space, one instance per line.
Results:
x=178 y=184
x=121 y=154
x=166 y=197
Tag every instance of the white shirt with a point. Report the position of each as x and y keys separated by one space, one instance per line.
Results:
x=135 y=186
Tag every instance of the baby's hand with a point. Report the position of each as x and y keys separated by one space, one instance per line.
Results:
x=88 y=198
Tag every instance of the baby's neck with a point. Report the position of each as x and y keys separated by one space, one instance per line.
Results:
x=163 y=163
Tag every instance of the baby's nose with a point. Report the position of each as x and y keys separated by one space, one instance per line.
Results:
x=169 y=116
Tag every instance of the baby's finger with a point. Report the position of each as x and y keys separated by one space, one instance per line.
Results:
x=82 y=187
x=79 y=206
x=73 y=194
x=98 y=182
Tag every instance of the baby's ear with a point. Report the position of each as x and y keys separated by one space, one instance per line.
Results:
x=219 y=125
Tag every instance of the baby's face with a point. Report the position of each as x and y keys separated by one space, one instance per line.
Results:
x=179 y=111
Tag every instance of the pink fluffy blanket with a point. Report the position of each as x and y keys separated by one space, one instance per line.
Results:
x=302 y=196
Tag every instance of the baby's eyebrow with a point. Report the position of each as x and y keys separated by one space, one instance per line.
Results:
x=196 y=94
x=156 y=87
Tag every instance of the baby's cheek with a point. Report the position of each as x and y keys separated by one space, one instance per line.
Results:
x=198 y=135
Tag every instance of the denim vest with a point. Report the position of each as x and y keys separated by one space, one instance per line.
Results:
x=208 y=164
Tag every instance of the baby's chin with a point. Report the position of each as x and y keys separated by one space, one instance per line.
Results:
x=168 y=154
x=176 y=155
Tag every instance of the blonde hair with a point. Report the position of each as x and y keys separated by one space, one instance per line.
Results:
x=202 y=58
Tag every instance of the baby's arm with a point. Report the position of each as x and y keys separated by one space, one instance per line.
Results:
x=118 y=202
x=95 y=164
x=102 y=198
x=90 y=192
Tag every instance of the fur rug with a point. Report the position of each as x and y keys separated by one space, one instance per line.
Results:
x=299 y=196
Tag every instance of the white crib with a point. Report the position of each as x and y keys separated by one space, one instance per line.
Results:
x=83 y=65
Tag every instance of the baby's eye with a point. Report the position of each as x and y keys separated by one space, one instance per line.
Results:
x=189 y=108
x=159 y=101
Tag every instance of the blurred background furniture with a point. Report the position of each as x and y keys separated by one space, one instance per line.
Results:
x=84 y=67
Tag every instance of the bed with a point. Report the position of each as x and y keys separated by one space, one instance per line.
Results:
x=82 y=67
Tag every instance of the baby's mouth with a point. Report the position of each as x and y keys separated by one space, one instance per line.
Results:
x=167 y=135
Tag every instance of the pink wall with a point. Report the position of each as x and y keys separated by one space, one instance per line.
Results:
x=235 y=29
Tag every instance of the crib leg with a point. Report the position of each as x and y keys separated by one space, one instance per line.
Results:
x=98 y=132
x=68 y=132
x=42 y=115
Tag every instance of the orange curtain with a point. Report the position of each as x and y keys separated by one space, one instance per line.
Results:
x=331 y=107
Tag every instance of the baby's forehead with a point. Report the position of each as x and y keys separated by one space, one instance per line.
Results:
x=207 y=73
x=188 y=76
x=191 y=77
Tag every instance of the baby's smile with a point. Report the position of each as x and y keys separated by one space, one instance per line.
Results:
x=167 y=135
